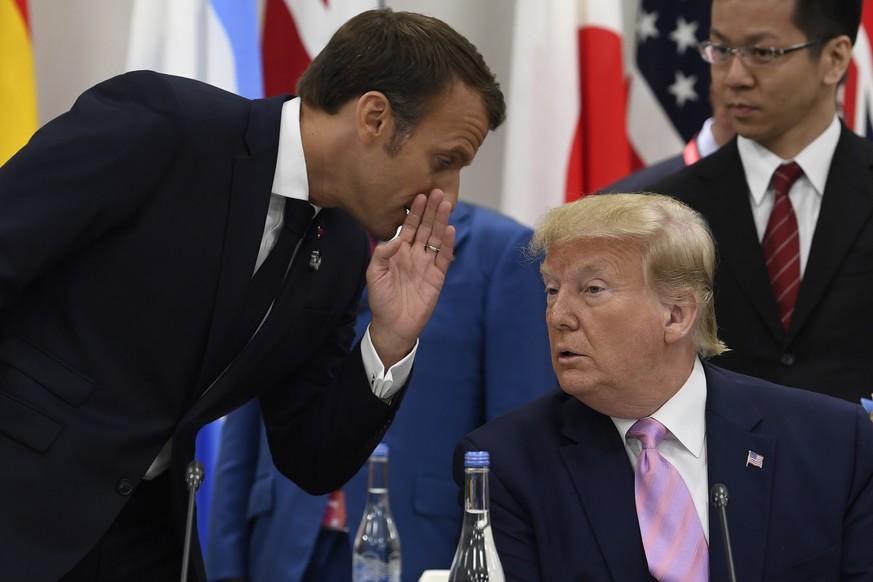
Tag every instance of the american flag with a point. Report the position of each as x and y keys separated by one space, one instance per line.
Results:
x=669 y=80
x=755 y=459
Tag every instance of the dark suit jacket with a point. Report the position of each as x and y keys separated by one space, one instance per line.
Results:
x=829 y=344
x=643 y=178
x=129 y=229
x=484 y=352
x=562 y=487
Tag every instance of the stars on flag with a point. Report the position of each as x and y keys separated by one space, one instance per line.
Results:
x=684 y=35
x=683 y=89
x=755 y=460
x=667 y=34
x=646 y=26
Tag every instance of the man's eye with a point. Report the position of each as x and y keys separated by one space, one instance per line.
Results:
x=763 y=53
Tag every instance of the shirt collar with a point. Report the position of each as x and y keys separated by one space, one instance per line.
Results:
x=759 y=163
x=684 y=414
x=290 y=179
x=706 y=143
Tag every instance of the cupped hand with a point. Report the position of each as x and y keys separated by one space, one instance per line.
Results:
x=406 y=275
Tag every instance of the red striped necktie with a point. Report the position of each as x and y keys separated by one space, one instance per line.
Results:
x=781 y=244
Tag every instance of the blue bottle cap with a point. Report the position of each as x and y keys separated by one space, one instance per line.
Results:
x=381 y=451
x=477 y=459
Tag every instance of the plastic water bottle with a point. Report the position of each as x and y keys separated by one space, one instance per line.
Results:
x=476 y=558
x=376 y=552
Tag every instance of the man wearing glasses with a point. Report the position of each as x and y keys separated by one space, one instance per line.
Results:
x=790 y=200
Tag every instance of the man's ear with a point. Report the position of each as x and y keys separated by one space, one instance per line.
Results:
x=679 y=319
x=835 y=58
x=374 y=117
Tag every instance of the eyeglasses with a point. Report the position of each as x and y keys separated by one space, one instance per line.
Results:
x=719 y=54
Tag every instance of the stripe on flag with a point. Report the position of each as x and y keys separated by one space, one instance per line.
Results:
x=18 y=111
x=857 y=93
x=565 y=128
x=295 y=31
x=542 y=99
x=213 y=41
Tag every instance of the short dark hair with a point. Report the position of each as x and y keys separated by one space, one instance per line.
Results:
x=411 y=58
x=827 y=19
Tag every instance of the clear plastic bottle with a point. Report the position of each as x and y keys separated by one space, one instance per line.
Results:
x=476 y=558
x=376 y=552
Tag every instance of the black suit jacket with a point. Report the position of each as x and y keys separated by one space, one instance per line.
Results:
x=129 y=229
x=829 y=344
x=562 y=487
x=643 y=178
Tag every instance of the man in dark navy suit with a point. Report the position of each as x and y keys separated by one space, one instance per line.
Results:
x=609 y=478
x=169 y=250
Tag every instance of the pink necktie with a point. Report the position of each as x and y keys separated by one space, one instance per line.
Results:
x=781 y=244
x=676 y=548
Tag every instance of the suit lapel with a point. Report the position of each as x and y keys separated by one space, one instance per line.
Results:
x=724 y=201
x=602 y=474
x=731 y=420
x=846 y=208
x=249 y=201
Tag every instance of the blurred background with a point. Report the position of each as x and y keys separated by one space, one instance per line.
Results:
x=596 y=88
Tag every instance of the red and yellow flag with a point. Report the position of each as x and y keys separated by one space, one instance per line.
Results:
x=18 y=118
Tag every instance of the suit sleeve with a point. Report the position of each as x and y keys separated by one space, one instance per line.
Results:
x=82 y=175
x=510 y=523
x=324 y=422
x=518 y=364
x=857 y=557
x=227 y=551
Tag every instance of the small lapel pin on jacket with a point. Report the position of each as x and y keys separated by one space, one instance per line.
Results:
x=755 y=460
x=314 y=260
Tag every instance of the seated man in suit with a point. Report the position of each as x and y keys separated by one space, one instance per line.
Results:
x=608 y=478
x=484 y=353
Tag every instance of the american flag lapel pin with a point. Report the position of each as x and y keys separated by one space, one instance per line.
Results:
x=755 y=460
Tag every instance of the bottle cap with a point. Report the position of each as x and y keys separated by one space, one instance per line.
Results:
x=477 y=459
x=380 y=451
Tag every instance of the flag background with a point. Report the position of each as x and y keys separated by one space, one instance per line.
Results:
x=530 y=164
x=18 y=117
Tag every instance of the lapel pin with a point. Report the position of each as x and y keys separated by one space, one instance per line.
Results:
x=318 y=231
x=314 y=260
x=755 y=460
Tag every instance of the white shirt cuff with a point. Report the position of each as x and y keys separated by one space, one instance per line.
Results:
x=385 y=384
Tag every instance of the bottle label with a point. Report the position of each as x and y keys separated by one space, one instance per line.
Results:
x=368 y=567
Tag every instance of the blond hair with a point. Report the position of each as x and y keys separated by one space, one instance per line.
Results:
x=677 y=247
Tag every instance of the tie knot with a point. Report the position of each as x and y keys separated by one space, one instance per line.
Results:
x=297 y=215
x=784 y=177
x=649 y=431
